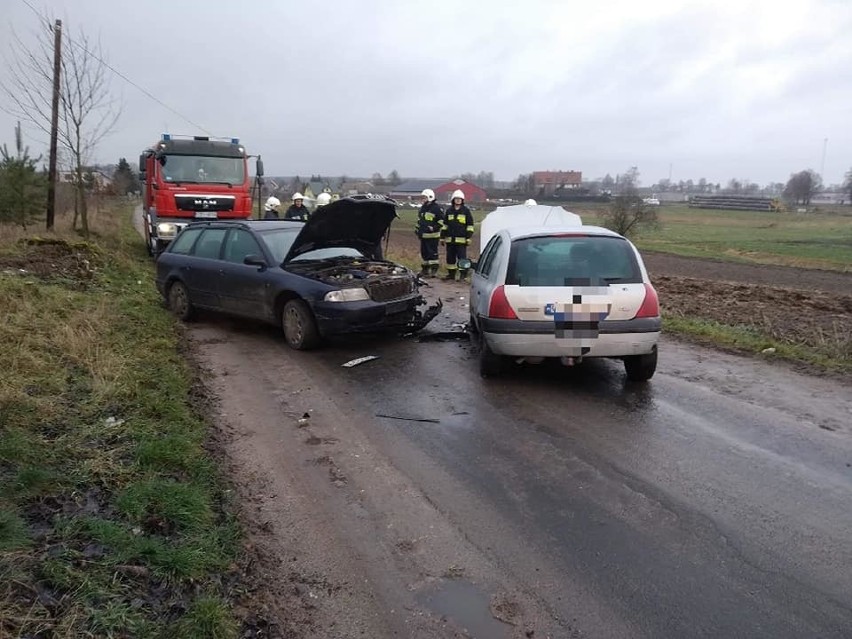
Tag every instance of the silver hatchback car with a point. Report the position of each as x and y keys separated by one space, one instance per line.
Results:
x=567 y=292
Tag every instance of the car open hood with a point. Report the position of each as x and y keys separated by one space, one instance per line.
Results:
x=357 y=222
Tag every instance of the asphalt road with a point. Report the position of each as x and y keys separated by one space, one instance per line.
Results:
x=715 y=501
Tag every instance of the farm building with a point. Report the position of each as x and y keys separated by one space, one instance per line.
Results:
x=411 y=189
x=547 y=182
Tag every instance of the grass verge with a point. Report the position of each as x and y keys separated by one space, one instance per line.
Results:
x=113 y=519
x=753 y=341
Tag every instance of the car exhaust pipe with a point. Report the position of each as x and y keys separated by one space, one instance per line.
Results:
x=570 y=361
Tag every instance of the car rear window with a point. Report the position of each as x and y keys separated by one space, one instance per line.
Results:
x=572 y=260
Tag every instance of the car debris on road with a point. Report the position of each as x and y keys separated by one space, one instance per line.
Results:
x=426 y=420
x=360 y=360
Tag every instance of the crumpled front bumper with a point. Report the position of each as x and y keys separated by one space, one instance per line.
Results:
x=404 y=316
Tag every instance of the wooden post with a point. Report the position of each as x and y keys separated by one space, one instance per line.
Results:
x=54 y=125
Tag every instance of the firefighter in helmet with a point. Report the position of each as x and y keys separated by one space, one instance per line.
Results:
x=456 y=232
x=297 y=210
x=323 y=199
x=271 y=208
x=428 y=230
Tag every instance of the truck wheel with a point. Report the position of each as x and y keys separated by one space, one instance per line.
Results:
x=641 y=368
x=300 y=328
x=490 y=364
x=179 y=302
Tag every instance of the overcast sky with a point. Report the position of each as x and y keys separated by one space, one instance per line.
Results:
x=714 y=89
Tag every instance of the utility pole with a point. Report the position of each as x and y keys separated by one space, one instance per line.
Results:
x=54 y=124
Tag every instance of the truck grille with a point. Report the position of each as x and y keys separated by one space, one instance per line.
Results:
x=385 y=290
x=204 y=202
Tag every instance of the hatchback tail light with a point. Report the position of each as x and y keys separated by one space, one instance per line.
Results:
x=499 y=307
x=651 y=304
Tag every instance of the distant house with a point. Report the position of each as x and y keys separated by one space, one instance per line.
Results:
x=548 y=182
x=411 y=190
x=354 y=187
x=98 y=178
x=313 y=189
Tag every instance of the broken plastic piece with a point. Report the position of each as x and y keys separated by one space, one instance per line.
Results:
x=359 y=361
x=422 y=318
x=411 y=419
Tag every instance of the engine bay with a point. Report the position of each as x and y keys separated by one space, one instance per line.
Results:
x=350 y=272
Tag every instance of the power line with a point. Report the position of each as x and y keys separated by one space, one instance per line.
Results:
x=121 y=75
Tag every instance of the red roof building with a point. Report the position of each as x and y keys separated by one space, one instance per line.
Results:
x=472 y=193
x=547 y=182
x=411 y=190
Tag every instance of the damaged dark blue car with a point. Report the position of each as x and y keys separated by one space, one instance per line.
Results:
x=315 y=279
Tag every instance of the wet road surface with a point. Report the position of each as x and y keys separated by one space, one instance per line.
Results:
x=714 y=501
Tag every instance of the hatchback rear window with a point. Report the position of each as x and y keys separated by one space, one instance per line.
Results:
x=572 y=261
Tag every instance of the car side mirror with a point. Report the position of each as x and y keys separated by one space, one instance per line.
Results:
x=259 y=167
x=255 y=260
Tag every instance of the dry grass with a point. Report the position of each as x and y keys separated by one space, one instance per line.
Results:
x=94 y=400
x=104 y=221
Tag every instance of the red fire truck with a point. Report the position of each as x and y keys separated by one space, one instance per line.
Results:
x=187 y=178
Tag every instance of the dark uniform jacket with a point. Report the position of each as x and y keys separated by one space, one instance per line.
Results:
x=294 y=212
x=429 y=221
x=458 y=225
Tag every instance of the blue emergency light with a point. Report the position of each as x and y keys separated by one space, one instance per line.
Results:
x=166 y=137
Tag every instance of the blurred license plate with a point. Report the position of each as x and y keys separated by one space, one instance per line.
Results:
x=206 y=214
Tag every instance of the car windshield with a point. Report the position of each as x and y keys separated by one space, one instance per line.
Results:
x=572 y=260
x=279 y=242
x=200 y=169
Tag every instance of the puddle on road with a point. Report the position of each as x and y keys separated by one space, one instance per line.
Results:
x=467 y=607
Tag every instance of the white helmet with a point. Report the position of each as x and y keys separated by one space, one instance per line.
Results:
x=297 y=196
x=323 y=199
x=429 y=194
x=272 y=204
x=457 y=193
x=531 y=202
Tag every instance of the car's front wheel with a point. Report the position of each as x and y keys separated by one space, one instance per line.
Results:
x=641 y=368
x=179 y=302
x=300 y=328
x=490 y=363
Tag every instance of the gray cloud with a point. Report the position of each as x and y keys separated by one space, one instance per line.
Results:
x=716 y=89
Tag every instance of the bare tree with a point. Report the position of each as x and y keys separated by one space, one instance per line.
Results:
x=627 y=214
x=87 y=108
x=802 y=186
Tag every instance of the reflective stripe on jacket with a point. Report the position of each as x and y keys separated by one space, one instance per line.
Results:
x=458 y=225
x=429 y=221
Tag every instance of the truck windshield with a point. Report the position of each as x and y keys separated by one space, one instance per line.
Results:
x=200 y=169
